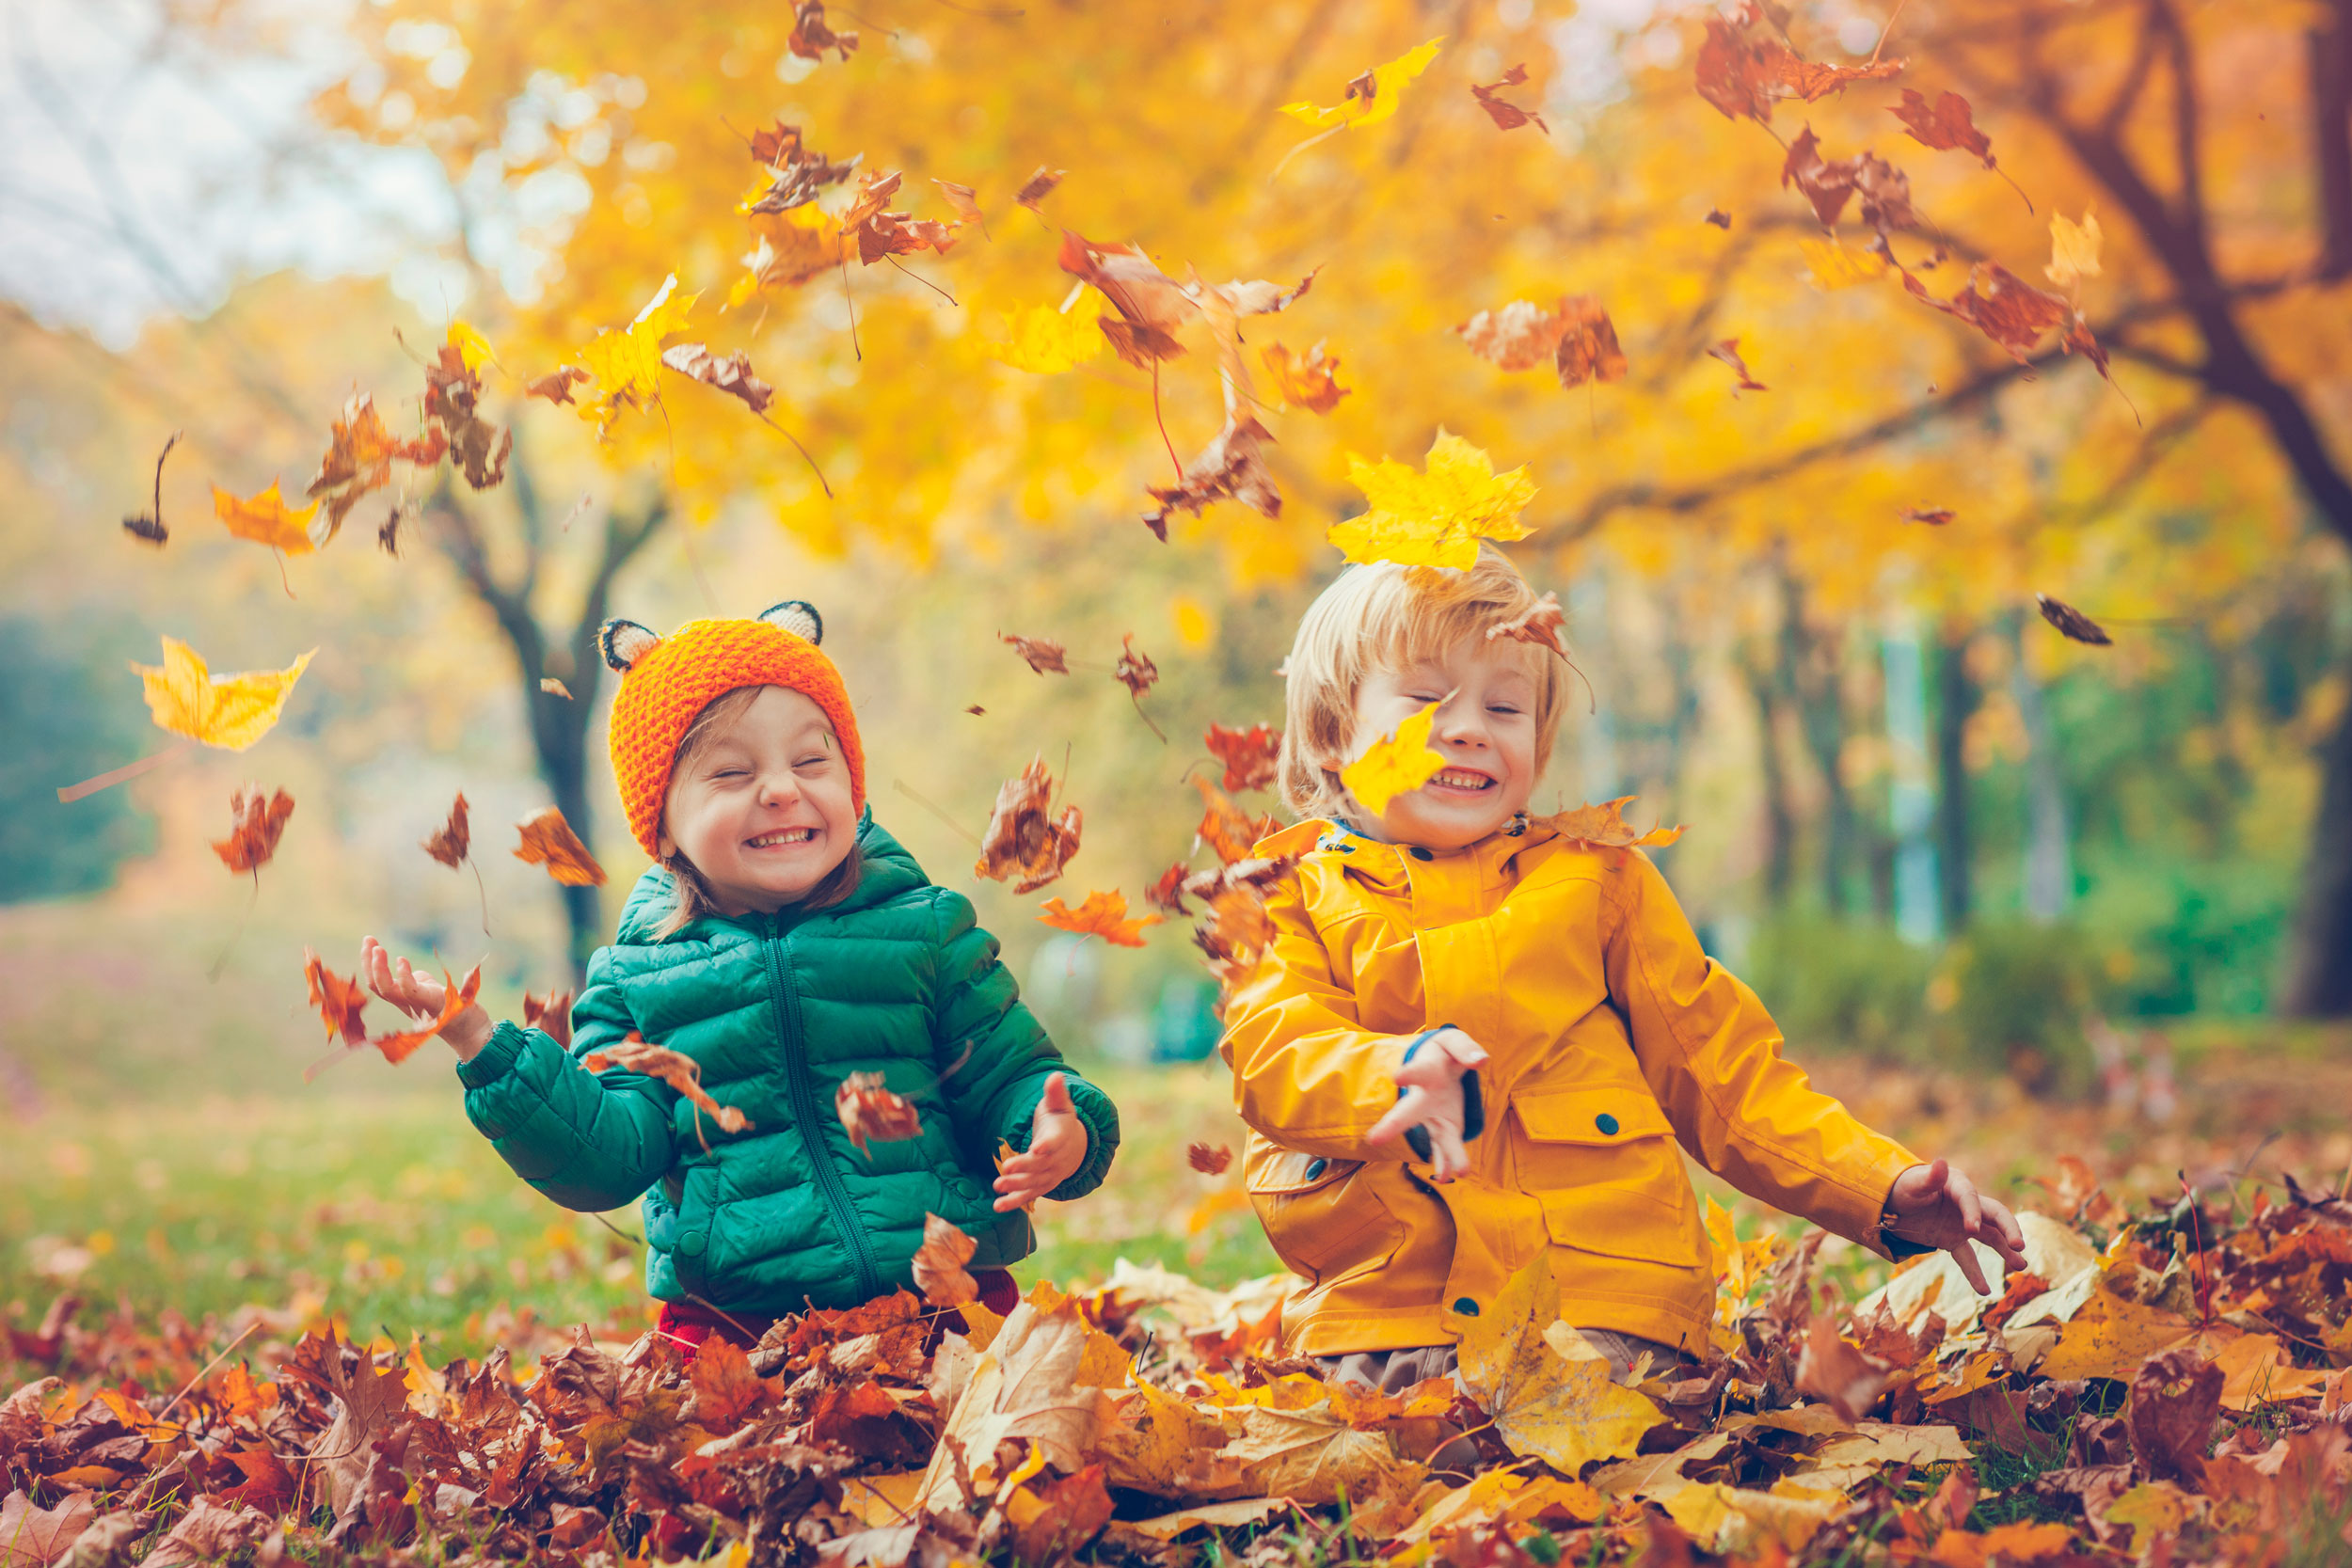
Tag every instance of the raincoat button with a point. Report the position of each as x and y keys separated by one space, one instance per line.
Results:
x=1421 y=854
x=691 y=1243
x=1607 y=1123
x=1467 y=1307
x=1316 y=1167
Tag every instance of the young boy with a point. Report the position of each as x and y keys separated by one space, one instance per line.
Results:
x=1470 y=1041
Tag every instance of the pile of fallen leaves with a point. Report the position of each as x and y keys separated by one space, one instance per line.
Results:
x=2168 y=1386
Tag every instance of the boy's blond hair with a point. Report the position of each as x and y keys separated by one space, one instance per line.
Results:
x=1384 y=617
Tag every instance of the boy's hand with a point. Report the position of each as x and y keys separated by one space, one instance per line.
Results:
x=1937 y=1204
x=1058 y=1146
x=1432 y=1082
x=422 y=996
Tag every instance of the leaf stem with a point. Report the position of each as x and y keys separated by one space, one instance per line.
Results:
x=1163 y=422
x=901 y=785
x=850 y=300
x=69 y=793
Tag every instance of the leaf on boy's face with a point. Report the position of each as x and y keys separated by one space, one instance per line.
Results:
x=1603 y=827
x=1395 y=763
x=870 y=1113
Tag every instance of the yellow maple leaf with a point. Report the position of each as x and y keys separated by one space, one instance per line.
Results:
x=627 y=361
x=472 y=346
x=1437 y=517
x=231 y=713
x=1048 y=340
x=1396 y=764
x=1369 y=107
x=2073 y=250
x=1834 y=266
x=264 y=518
x=1563 y=1412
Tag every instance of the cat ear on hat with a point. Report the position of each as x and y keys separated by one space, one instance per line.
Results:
x=797 y=616
x=624 y=642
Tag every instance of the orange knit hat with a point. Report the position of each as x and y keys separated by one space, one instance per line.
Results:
x=665 y=681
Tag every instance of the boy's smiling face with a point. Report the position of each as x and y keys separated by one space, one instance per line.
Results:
x=1486 y=729
x=763 y=808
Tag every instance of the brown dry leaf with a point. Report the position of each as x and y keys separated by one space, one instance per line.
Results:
x=870 y=1113
x=1728 y=352
x=1168 y=892
x=1948 y=126
x=810 y=37
x=1251 y=756
x=1028 y=1383
x=556 y=385
x=340 y=1002
x=1061 y=1516
x=1832 y=1370
x=452 y=839
x=1230 y=467
x=725 y=1388
x=148 y=525
x=457 y=995
x=1543 y=623
x=675 y=1068
x=34 y=1537
x=939 y=1265
x=1519 y=337
x=881 y=233
x=360 y=459
x=1234 y=932
x=1305 y=380
x=1038 y=186
x=1828 y=184
x=800 y=171
x=1043 y=655
x=551 y=1014
x=1507 y=117
x=964 y=199
x=1225 y=828
x=1136 y=671
x=2006 y=309
x=1102 y=914
x=1743 y=75
x=732 y=375
x=548 y=840
x=1588 y=348
x=1152 y=307
x=1603 y=827
x=2071 y=622
x=255 y=823
x=453 y=390
x=1210 y=1158
x=1717 y=217
x=1934 y=516
x=1025 y=844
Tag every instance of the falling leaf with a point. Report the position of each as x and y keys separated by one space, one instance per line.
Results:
x=148 y=525
x=551 y=1015
x=1435 y=517
x=340 y=1002
x=732 y=375
x=548 y=840
x=256 y=823
x=1948 y=126
x=1167 y=890
x=1832 y=1370
x=810 y=37
x=1038 y=186
x=1717 y=217
x=456 y=996
x=1833 y=267
x=1025 y=844
x=2007 y=309
x=1830 y=184
x=627 y=361
x=453 y=395
x=473 y=349
x=975 y=709
x=265 y=519
x=1543 y=623
x=556 y=385
x=1742 y=76
x=1230 y=467
x=1042 y=654
x=674 y=1067
x=1934 y=516
x=1251 y=756
x=939 y=1265
x=1588 y=346
x=1507 y=117
x=1208 y=1159
x=360 y=459
x=798 y=173
x=963 y=200
x=1371 y=97
x=2073 y=250
x=1152 y=307
x=1563 y=1411
x=881 y=233
x=1519 y=337
x=869 y=1112
x=451 y=841
x=1305 y=380
x=554 y=688
x=1728 y=352
x=2071 y=622
x=1047 y=341
x=1396 y=764
x=1225 y=829
x=231 y=713
x=1603 y=828
x=1102 y=914
x=1135 y=669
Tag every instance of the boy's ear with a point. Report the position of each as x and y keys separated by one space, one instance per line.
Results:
x=624 y=642
x=797 y=616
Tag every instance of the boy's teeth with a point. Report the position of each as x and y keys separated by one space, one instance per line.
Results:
x=1464 y=780
x=790 y=835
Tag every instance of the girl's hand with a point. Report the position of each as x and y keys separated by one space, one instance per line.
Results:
x=1058 y=1146
x=422 y=996
x=1432 y=1082
x=1937 y=1204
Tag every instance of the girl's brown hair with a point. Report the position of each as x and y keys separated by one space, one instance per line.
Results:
x=691 y=898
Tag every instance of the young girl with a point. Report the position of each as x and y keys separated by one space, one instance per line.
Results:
x=1472 y=1042
x=782 y=940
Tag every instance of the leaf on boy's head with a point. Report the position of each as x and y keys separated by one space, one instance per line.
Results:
x=870 y=1113
x=1435 y=517
x=1102 y=914
x=1603 y=827
x=548 y=840
x=1543 y=623
x=939 y=1265
x=257 y=821
x=1396 y=764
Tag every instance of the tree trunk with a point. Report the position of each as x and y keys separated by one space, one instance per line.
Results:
x=1814 y=666
x=2330 y=53
x=2049 y=848
x=1955 y=700
x=2319 y=972
x=1779 y=822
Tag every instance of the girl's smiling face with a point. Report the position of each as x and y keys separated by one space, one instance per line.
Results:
x=1486 y=727
x=760 y=802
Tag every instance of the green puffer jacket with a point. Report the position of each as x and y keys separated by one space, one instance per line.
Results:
x=777 y=1009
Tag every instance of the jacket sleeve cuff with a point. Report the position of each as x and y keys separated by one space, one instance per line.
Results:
x=1101 y=1120
x=496 y=1058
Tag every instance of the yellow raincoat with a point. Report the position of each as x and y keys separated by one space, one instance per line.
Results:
x=1613 y=1038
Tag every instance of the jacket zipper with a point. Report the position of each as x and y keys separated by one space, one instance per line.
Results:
x=786 y=1000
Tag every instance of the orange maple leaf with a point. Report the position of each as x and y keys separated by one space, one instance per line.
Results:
x=1226 y=828
x=1102 y=914
x=1306 y=380
x=1603 y=827
x=263 y=518
x=456 y=994
x=1251 y=756
x=340 y=1002
x=360 y=457
x=256 y=823
x=548 y=840
x=870 y=1112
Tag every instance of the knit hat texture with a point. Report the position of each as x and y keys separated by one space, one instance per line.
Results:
x=666 y=681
